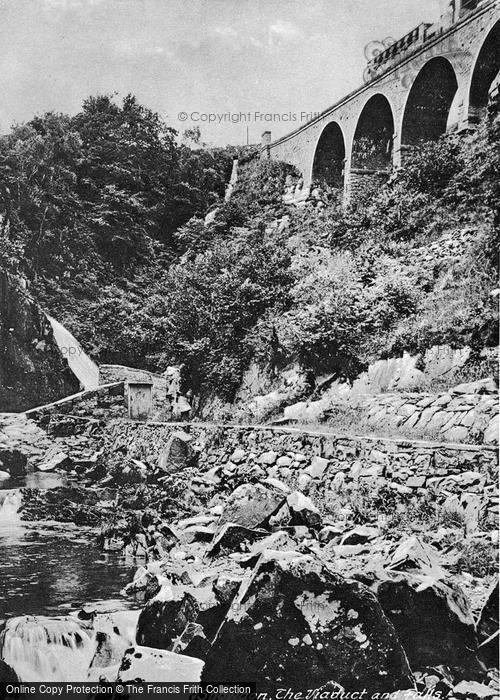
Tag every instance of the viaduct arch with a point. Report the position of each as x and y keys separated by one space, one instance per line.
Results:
x=436 y=78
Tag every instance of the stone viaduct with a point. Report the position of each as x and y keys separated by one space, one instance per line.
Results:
x=435 y=79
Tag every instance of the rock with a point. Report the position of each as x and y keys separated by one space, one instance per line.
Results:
x=487 y=629
x=7 y=673
x=196 y=520
x=329 y=533
x=296 y=411
x=481 y=386
x=317 y=467
x=303 y=482
x=109 y=650
x=58 y=461
x=198 y=533
x=491 y=433
x=141 y=664
x=372 y=471
x=283 y=461
x=466 y=479
x=416 y=482
x=303 y=511
x=251 y=505
x=280 y=541
x=268 y=458
x=359 y=535
x=162 y=621
x=177 y=453
x=296 y=622
x=12 y=461
x=470 y=690
x=456 y=434
x=434 y=623
x=191 y=638
x=238 y=456
x=412 y=553
x=231 y=537
x=276 y=484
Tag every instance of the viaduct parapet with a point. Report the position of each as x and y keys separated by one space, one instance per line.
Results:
x=437 y=78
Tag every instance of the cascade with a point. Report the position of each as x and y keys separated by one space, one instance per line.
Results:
x=47 y=649
x=10 y=501
x=67 y=649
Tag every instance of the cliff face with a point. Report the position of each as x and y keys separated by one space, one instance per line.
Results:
x=33 y=370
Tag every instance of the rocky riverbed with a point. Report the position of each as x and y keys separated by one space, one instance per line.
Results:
x=244 y=572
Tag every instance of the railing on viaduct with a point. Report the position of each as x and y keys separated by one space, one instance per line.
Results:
x=436 y=78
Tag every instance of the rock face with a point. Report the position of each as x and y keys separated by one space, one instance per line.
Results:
x=434 y=623
x=32 y=368
x=250 y=505
x=298 y=623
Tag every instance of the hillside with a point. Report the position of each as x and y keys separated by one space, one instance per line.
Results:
x=103 y=216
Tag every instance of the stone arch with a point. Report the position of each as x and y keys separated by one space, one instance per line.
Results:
x=429 y=102
x=372 y=145
x=329 y=157
x=485 y=71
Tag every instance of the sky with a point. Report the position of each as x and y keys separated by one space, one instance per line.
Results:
x=223 y=65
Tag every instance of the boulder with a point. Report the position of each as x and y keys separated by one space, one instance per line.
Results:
x=191 y=631
x=434 y=623
x=471 y=690
x=7 y=673
x=110 y=648
x=359 y=535
x=303 y=511
x=232 y=537
x=162 y=621
x=12 y=461
x=317 y=467
x=480 y=386
x=59 y=460
x=297 y=622
x=177 y=453
x=487 y=629
x=238 y=456
x=141 y=664
x=268 y=458
x=413 y=554
x=251 y=505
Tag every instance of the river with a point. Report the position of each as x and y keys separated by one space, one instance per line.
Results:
x=49 y=568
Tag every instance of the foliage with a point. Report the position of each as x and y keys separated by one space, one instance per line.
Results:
x=105 y=214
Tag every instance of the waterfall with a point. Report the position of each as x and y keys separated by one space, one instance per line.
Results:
x=10 y=500
x=66 y=648
x=44 y=648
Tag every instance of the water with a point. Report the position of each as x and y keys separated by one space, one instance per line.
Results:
x=49 y=571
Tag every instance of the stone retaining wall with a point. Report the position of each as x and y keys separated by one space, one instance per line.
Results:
x=321 y=460
x=107 y=401
x=453 y=417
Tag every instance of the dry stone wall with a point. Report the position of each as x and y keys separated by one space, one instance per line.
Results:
x=452 y=416
x=106 y=402
x=322 y=461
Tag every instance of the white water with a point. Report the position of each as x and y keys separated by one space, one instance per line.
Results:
x=42 y=648
x=10 y=500
x=84 y=369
